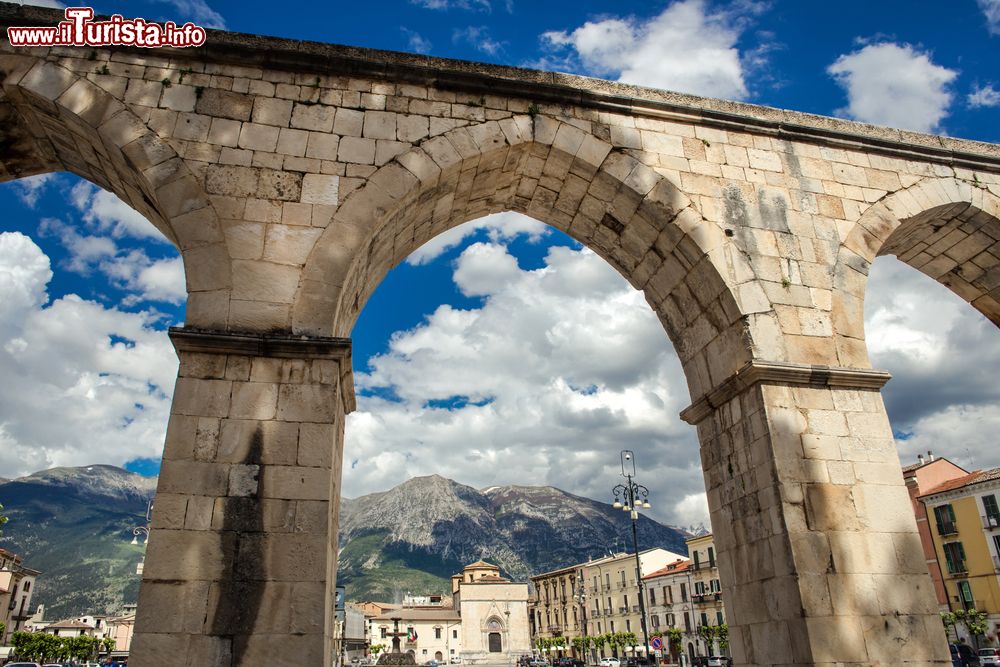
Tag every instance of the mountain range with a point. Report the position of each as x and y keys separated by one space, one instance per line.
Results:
x=75 y=525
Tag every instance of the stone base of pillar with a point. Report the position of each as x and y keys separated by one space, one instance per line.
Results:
x=241 y=558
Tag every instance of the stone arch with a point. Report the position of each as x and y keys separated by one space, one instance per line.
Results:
x=946 y=228
x=555 y=172
x=56 y=119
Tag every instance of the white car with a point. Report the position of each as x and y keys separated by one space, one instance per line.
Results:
x=611 y=662
x=455 y=660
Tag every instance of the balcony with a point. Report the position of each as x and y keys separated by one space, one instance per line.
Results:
x=555 y=629
x=991 y=521
x=959 y=569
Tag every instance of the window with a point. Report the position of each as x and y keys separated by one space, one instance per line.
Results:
x=670 y=620
x=384 y=632
x=687 y=621
x=992 y=511
x=655 y=620
x=454 y=635
x=704 y=618
x=945 y=517
x=954 y=555
x=711 y=557
x=612 y=626
x=668 y=594
x=425 y=651
x=598 y=627
x=715 y=586
x=718 y=618
x=699 y=588
x=652 y=596
x=965 y=595
x=625 y=601
x=27 y=586
x=622 y=572
x=684 y=593
x=437 y=633
x=609 y=608
x=628 y=625
x=595 y=582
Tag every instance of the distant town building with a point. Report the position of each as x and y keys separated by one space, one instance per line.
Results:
x=669 y=591
x=17 y=584
x=929 y=472
x=487 y=621
x=121 y=628
x=70 y=628
x=964 y=518
x=597 y=597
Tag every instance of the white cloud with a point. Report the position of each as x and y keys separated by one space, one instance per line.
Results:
x=198 y=12
x=82 y=383
x=416 y=42
x=895 y=85
x=106 y=213
x=686 y=48
x=129 y=269
x=984 y=96
x=559 y=369
x=480 y=5
x=991 y=8
x=53 y=4
x=30 y=188
x=479 y=38
x=499 y=226
x=944 y=357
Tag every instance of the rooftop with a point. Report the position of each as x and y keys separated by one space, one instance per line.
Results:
x=974 y=477
x=678 y=566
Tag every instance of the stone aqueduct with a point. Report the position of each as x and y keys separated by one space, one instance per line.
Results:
x=293 y=176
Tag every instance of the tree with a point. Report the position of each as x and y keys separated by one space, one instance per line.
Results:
x=722 y=634
x=108 y=644
x=707 y=632
x=973 y=620
x=376 y=649
x=675 y=640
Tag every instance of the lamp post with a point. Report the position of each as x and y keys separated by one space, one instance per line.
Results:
x=580 y=595
x=629 y=497
x=144 y=531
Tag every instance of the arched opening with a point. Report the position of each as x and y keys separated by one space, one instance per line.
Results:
x=633 y=218
x=944 y=358
x=93 y=270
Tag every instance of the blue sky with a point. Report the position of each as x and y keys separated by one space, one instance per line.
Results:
x=87 y=287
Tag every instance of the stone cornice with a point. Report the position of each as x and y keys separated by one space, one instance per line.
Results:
x=281 y=346
x=782 y=373
x=552 y=87
x=284 y=346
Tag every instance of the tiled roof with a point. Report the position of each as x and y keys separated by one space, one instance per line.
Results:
x=69 y=625
x=673 y=568
x=974 y=477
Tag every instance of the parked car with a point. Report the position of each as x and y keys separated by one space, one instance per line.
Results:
x=455 y=660
x=719 y=661
x=611 y=662
x=22 y=664
x=989 y=657
x=537 y=662
x=568 y=662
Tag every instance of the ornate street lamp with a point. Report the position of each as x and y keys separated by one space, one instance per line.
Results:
x=144 y=531
x=629 y=497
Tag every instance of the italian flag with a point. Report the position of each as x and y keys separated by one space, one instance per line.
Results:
x=412 y=637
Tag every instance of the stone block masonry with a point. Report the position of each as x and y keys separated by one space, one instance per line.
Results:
x=293 y=176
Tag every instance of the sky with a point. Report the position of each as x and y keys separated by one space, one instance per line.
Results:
x=503 y=352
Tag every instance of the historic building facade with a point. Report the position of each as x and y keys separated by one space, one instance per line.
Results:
x=964 y=516
x=17 y=583
x=293 y=176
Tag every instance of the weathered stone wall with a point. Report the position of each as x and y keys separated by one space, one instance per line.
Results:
x=293 y=177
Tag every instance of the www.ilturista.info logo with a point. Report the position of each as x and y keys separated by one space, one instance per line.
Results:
x=79 y=29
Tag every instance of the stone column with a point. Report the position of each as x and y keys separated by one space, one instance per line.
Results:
x=819 y=554
x=241 y=559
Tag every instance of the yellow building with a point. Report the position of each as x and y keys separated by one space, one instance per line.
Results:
x=965 y=526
